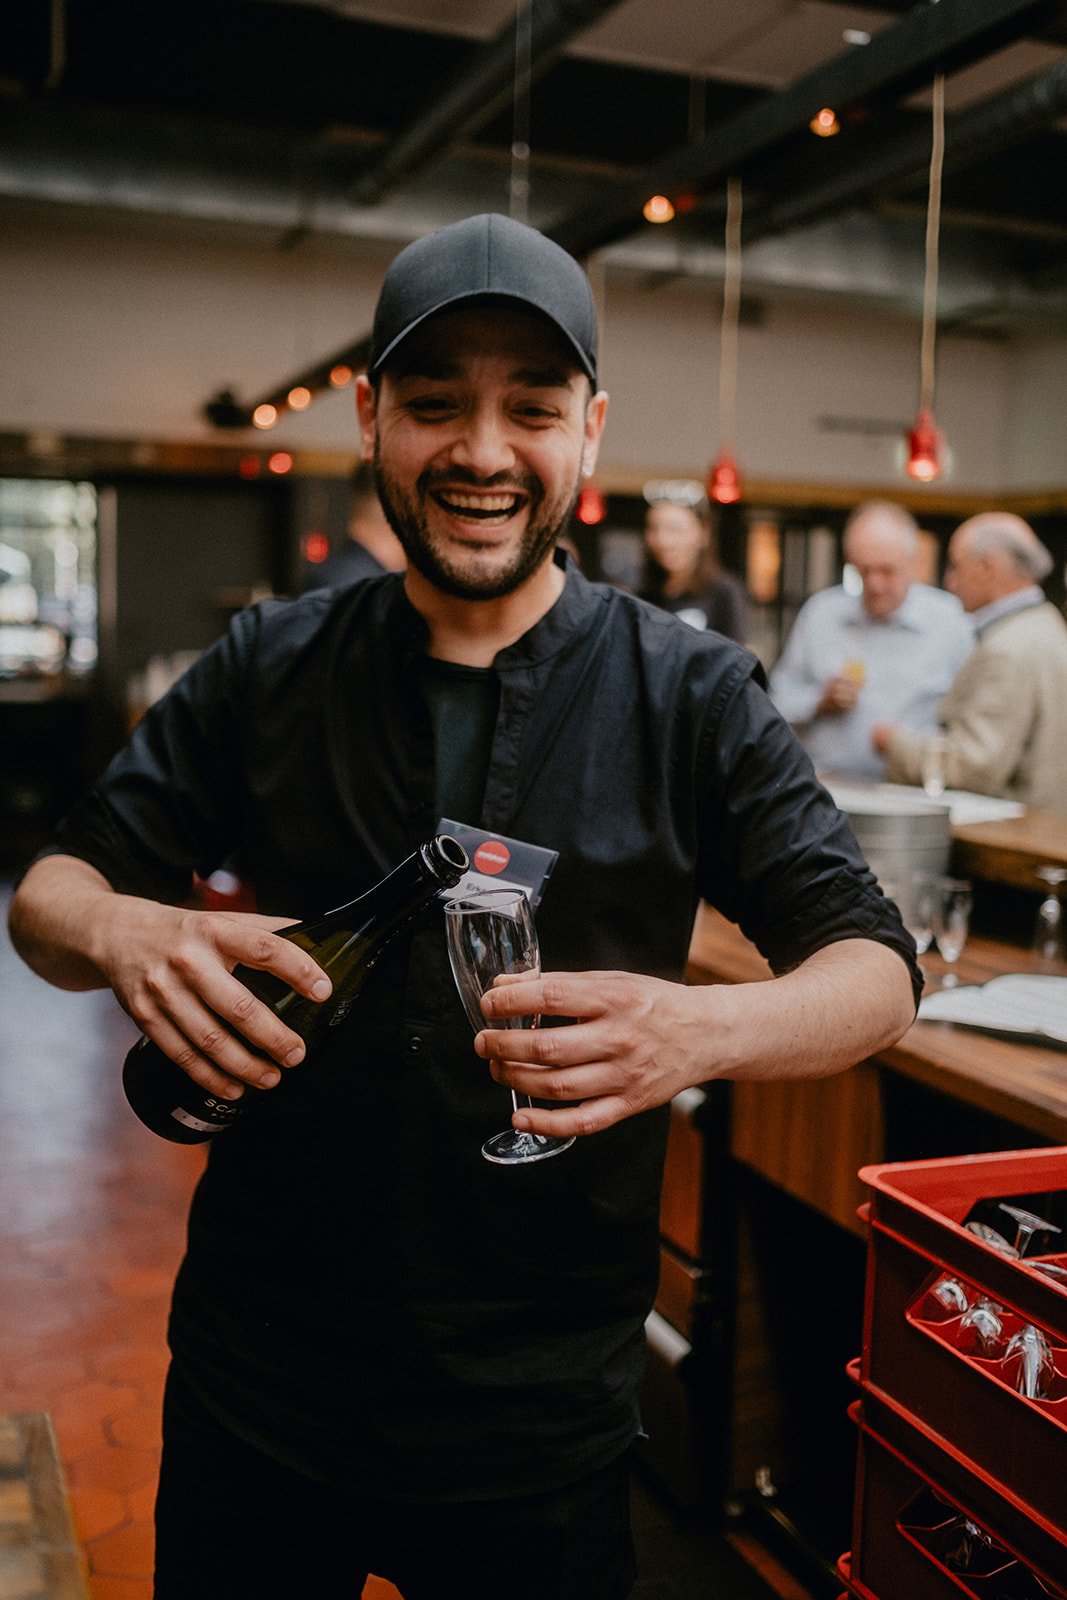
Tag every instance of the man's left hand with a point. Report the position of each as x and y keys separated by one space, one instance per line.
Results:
x=634 y=1043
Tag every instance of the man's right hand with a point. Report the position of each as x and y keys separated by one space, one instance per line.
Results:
x=839 y=694
x=171 y=969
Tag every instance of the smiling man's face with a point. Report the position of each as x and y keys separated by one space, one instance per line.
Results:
x=480 y=429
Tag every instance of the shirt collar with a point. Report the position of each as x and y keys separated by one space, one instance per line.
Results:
x=569 y=618
x=907 y=615
x=1007 y=605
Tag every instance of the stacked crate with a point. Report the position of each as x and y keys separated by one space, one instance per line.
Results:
x=961 y=1485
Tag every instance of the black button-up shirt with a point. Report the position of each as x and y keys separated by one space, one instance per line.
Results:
x=363 y=1295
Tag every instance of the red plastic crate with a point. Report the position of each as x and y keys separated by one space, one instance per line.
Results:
x=1040 y=1545
x=925 y=1203
x=906 y=1528
x=915 y=1357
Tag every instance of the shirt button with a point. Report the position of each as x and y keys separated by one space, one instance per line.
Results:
x=415 y=1043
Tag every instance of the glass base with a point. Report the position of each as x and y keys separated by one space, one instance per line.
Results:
x=512 y=1147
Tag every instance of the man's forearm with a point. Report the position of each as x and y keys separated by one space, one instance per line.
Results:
x=846 y=1002
x=55 y=921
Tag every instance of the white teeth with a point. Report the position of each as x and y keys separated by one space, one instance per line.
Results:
x=486 y=505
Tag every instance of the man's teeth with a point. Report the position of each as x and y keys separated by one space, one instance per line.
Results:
x=480 y=505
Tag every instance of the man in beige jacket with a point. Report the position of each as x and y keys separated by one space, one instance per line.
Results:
x=1005 y=716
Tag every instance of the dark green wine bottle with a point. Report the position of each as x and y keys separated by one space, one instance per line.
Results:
x=346 y=943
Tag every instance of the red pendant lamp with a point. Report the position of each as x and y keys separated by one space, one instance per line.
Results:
x=591 y=507
x=925 y=441
x=724 y=478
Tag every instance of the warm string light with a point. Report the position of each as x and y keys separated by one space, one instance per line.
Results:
x=658 y=208
x=924 y=440
x=824 y=123
x=724 y=483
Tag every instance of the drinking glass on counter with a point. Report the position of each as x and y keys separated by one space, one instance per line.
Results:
x=917 y=909
x=951 y=922
x=932 y=766
x=1049 y=944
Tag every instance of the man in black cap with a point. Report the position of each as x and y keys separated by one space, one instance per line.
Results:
x=388 y=1354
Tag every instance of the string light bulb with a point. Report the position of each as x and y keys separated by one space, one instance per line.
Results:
x=340 y=375
x=298 y=398
x=657 y=208
x=824 y=123
x=265 y=416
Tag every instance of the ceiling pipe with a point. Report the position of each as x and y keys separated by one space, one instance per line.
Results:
x=970 y=136
x=478 y=93
x=942 y=36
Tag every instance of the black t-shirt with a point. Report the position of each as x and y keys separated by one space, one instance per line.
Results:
x=363 y=1295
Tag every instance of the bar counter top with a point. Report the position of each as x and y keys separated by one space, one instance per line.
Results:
x=784 y=1129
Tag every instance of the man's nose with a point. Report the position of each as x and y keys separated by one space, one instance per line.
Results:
x=483 y=443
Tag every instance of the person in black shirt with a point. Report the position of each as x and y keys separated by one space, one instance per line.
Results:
x=370 y=547
x=682 y=571
x=389 y=1355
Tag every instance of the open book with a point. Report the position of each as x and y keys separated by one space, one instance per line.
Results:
x=1018 y=1003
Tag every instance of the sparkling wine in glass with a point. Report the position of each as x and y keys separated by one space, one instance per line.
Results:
x=492 y=935
x=952 y=920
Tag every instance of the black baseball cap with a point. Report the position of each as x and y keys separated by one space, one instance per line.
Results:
x=488 y=257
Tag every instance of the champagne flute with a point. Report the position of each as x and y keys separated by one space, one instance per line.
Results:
x=932 y=765
x=492 y=935
x=1049 y=943
x=952 y=917
x=917 y=909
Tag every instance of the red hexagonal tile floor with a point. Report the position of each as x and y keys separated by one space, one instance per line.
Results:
x=94 y=1211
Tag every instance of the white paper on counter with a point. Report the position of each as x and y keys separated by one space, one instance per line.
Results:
x=1018 y=1002
x=963 y=806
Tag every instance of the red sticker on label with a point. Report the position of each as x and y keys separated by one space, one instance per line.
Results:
x=492 y=857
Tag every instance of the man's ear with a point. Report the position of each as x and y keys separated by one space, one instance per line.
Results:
x=595 y=413
x=367 y=415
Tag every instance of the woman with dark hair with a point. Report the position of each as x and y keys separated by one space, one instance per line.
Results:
x=682 y=572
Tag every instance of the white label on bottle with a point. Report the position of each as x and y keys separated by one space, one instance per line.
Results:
x=181 y=1115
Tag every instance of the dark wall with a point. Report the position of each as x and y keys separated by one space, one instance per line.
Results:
x=188 y=555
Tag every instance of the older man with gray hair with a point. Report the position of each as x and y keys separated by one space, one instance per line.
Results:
x=1005 y=717
x=887 y=654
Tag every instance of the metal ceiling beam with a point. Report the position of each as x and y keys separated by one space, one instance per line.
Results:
x=929 y=38
x=479 y=92
x=991 y=124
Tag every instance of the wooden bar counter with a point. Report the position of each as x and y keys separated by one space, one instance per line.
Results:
x=811 y=1137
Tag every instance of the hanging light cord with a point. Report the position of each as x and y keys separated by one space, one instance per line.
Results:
x=519 y=187
x=731 y=305
x=933 y=222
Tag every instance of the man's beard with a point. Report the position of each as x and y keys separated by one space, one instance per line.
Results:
x=543 y=525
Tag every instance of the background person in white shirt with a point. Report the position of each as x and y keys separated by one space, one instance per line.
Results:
x=888 y=654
